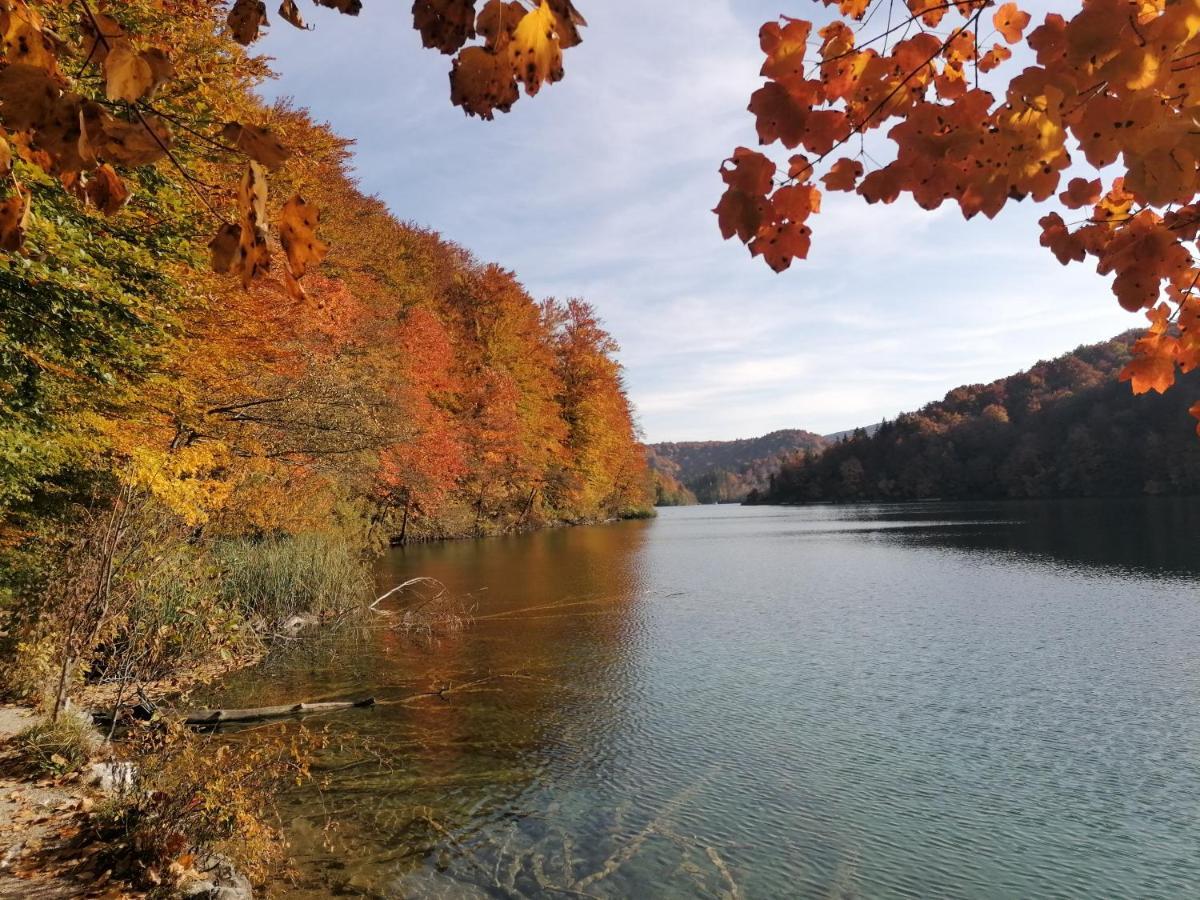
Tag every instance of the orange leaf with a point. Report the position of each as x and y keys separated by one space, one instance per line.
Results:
x=1080 y=193
x=1010 y=21
x=1149 y=373
x=843 y=175
x=780 y=244
x=751 y=173
x=741 y=214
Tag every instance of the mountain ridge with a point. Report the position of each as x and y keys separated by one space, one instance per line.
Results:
x=724 y=471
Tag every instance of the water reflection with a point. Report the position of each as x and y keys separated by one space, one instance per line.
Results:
x=922 y=700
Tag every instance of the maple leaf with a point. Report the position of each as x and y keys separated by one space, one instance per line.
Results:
x=994 y=57
x=751 y=172
x=780 y=244
x=497 y=22
x=1062 y=243
x=796 y=202
x=246 y=19
x=785 y=47
x=741 y=214
x=482 y=81
x=843 y=175
x=23 y=37
x=124 y=143
x=445 y=25
x=1153 y=372
x=1010 y=21
x=345 y=7
x=782 y=112
x=257 y=142
x=298 y=235
x=570 y=20
x=882 y=185
x=1080 y=193
x=1194 y=411
x=28 y=93
x=931 y=13
x=535 y=49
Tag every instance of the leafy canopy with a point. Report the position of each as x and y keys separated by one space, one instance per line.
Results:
x=86 y=90
x=981 y=109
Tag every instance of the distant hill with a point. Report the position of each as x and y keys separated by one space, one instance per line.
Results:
x=1064 y=428
x=727 y=471
x=839 y=435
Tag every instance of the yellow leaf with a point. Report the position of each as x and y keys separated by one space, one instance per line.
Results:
x=22 y=38
x=257 y=142
x=536 y=52
x=298 y=234
x=127 y=76
x=252 y=204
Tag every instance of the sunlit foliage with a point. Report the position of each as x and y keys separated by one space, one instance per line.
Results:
x=1092 y=109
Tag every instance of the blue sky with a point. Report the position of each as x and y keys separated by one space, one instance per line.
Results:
x=601 y=186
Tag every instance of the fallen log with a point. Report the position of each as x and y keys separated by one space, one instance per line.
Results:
x=262 y=713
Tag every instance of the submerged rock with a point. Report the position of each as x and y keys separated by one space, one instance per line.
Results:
x=112 y=777
x=219 y=880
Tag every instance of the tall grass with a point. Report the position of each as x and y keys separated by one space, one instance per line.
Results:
x=276 y=578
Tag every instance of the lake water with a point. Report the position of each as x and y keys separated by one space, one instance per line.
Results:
x=929 y=700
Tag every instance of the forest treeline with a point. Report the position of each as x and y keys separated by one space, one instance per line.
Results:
x=165 y=435
x=1064 y=428
x=723 y=471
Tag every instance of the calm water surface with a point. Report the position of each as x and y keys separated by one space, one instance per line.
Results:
x=931 y=700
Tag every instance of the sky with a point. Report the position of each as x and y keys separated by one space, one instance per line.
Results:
x=602 y=187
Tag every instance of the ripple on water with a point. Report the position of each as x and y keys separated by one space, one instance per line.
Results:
x=927 y=701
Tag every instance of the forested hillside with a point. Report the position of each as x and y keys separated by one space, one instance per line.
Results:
x=165 y=429
x=1065 y=428
x=724 y=471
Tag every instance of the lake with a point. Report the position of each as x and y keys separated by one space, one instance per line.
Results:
x=926 y=700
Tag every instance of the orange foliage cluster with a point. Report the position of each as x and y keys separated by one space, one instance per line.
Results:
x=1112 y=85
x=81 y=129
x=410 y=376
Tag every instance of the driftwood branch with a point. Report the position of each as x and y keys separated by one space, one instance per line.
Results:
x=201 y=717
x=261 y=713
x=423 y=579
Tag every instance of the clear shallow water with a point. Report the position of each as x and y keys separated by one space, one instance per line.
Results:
x=933 y=700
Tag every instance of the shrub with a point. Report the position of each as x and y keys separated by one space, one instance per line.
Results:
x=276 y=578
x=201 y=794
x=59 y=746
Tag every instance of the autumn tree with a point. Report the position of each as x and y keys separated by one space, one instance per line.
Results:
x=1091 y=109
x=608 y=471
